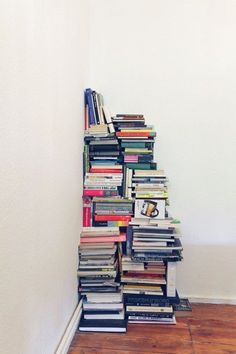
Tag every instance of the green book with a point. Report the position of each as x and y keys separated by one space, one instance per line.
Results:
x=133 y=145
x=141 y=166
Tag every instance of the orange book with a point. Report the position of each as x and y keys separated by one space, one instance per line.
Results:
x=128 y=134
x=104 y=170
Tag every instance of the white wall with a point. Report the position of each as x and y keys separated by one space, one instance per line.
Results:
x=43 y=60
x=174 y=61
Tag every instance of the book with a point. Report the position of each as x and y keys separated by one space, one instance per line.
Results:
x=149 y=208
x=120 y=238
x=87 y=212
x=153 y=309
x=183 y=308
x=102 y=326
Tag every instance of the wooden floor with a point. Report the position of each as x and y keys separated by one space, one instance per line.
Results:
x=210 y=329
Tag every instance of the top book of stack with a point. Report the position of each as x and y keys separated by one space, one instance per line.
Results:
x=97 y=118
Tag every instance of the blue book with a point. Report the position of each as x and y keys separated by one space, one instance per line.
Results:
x=89 y=99
x=129 y=238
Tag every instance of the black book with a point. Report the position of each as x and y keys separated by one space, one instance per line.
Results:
x=103 y=326
x=150 y=300
x=109 y=147
x=95 y=107
x=105 y=312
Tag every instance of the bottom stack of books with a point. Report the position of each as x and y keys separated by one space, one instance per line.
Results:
x=144 y=292
x=148 y=272
x=103 y=309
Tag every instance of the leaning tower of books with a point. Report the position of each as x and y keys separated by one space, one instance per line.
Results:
x=129 y=244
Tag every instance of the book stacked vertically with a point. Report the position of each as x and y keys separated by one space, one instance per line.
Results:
x=101 y=238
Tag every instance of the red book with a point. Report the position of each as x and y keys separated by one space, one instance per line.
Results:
x=99 y=193
x=144 y=275
x=87 y=205
x=112 y=217
x=104 y=170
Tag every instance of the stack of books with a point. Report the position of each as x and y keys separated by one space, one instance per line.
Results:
x=155 y=242
x=112 y=211
x=149 y=184
x=104 y=211
x=136 y=140
x=99 y=280
x=130 y=245
x=149 y=269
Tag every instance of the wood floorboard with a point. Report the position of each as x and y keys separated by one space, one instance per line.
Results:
x=208 y=329
x=212 y=348
x=104 y=351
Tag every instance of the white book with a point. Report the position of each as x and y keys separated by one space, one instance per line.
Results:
x=171 y=279
x=150 y=209
x=164 y=309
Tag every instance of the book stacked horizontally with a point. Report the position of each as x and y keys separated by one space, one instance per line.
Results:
x=154 y=241
x=98 y=272
x=112 y=212
x=136 y=140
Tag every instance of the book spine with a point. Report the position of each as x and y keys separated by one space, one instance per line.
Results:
x=87 y=212
x=171 y=279
x=104 y=170
x=129 y=232
x=138 y=134
x=86 y=117
x=95 y=104
x=92 y=119
x=99 y=193
x=112 y=218
x=121 y=238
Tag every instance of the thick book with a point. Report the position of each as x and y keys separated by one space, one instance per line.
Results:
x=118 y=326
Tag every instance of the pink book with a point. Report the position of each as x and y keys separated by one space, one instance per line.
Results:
x=120 y=238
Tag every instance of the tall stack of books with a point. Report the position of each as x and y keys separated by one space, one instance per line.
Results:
x=130 y=245
x=99 y=285
x=104 y=212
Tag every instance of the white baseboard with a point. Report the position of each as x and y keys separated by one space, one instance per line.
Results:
x=70 y=331
x=210 y=300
